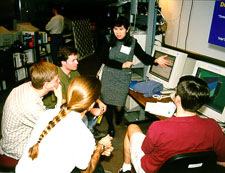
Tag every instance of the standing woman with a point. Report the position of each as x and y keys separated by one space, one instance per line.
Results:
x=116 y=75
x=60 y=140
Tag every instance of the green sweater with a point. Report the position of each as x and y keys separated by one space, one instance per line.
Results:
x=50 y=99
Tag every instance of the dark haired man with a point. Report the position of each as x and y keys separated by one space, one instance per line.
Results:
x=184 y=133
x=67 y=61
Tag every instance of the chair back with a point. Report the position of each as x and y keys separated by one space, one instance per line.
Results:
x=196 y=162
x=7 y=164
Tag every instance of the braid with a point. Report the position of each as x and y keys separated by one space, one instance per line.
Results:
x=81 y=93
x=34 y=150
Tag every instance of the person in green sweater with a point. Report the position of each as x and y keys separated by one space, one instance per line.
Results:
x=67 y=62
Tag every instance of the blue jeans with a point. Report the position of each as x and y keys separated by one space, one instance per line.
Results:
x=90 y=123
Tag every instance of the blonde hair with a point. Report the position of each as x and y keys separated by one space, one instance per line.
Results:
x=81 y=93
x=42 y=72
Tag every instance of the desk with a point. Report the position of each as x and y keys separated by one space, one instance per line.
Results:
x=140 y=116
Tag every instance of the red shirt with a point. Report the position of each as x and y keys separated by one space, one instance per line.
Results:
x=180 y=135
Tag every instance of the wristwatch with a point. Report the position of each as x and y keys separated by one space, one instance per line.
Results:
x=103 y=146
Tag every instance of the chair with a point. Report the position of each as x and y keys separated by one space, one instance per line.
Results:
x=7 y=164
x=197 y=162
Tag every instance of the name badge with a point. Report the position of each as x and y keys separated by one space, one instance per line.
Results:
x=125 y=49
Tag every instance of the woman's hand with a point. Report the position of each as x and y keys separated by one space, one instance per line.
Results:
x=102 y=106
x=99 y=111
x=162 y=61
x=106 y=141
x=127 y=64
x=108 y=151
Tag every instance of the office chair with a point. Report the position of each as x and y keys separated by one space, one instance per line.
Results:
x=7 y=169
x=7 y=165
x=197 y=162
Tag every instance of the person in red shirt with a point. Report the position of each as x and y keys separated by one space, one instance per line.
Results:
x=184 y=133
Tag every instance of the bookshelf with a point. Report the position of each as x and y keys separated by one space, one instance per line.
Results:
x=16 y=59
x=36 y=47
x=6 y=67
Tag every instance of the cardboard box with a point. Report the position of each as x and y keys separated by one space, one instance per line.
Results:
x=26 y=26
x=16 y=35
x=5 y=36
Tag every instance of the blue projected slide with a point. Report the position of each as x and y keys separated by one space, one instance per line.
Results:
x=212 y=84
x=216 y=84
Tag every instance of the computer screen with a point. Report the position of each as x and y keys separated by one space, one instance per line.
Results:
x=163 y=72
x=214 y=76
x=168 y=76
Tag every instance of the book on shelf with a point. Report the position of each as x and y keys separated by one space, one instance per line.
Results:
x=48 y=58
x=19 y=59
x=48 y=48
x=3 y=85
x=29 y=39
x=42 y=37
x=30 y=54
x=21 y=74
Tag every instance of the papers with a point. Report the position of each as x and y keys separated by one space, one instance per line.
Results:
x=160 y=108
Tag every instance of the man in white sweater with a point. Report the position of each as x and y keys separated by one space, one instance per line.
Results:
x=55 y=27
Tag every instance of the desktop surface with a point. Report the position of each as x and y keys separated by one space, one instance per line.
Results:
x=143 y=100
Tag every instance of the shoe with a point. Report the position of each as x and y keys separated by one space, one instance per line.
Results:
x=111 y=132
x=119 y=120
x=121 y=171
x=98 y=134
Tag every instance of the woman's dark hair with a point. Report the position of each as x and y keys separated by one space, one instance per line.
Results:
x=194 y=93
x=121 y=21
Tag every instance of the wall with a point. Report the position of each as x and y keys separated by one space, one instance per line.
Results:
x=38 y=12
x=189 y=23
x=7 y=13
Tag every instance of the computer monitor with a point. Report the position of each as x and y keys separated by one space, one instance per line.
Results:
x=215 y=78
x=168 y=76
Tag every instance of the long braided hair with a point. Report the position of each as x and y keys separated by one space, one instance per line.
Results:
x=81 y=93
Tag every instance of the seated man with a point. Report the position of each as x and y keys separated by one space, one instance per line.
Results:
x=23 y=107
x=184 y=133
x=60 y=141
x=67 y=61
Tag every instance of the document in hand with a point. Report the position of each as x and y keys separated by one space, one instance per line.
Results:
x=160 y=108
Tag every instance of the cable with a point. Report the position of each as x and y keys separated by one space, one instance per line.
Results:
x=135 y=16
x=160 y=97
x=179 y=22
x=163 y=18
x=158 y=41
x=185 y=47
